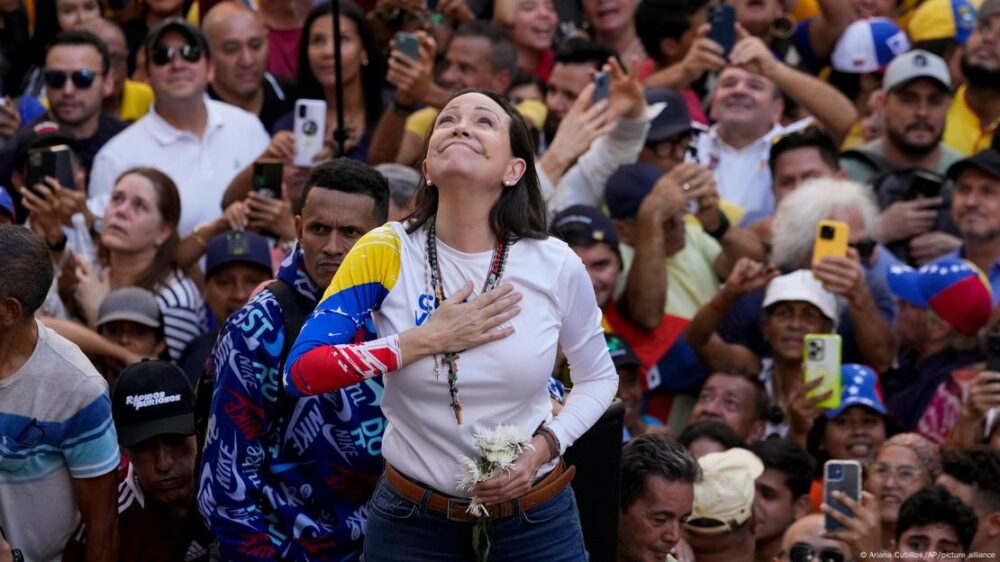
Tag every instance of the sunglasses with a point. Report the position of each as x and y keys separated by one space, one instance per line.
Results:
x=865 y=249
x=802 y=552
x=56 y=79
x=163 y=54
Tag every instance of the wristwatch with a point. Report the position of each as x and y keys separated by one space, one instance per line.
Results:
x=720 y=230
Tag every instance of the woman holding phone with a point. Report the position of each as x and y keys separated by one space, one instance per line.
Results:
x=474 y=261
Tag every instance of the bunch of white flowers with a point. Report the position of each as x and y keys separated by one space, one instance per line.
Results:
x=498 y=449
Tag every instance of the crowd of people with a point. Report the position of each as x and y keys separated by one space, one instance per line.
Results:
x=521 y=213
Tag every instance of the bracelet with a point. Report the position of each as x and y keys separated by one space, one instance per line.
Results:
x=551 y=440
x=196 y=234
x=722 y=229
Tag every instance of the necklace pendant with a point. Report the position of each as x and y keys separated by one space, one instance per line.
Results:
x=457 y=407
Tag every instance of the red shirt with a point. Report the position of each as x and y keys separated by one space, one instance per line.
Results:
x=283 y=56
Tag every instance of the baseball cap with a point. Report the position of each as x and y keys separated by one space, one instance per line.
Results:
x=987 y=160
x=953 y=288
x=673 y=120
x=868 y=45
x=41 y=134
x=237 y=246
x=133 y=304
x=583 y=224
x=192 y=33
x=627 y=187
x=7 y=204
x=723 y=498
x=942 y=19
x=800 y=285
x=621 y=352
x=152 y=398
x=859 y=387
x=916 y=64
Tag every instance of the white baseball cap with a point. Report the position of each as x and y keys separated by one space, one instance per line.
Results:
x=916 y=64
x=723 y=498
x=800 y=285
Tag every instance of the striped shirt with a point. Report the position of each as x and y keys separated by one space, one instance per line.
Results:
x=183 y=312
x=55 y=425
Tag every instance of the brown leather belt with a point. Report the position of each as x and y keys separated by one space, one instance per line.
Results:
x=454 y=508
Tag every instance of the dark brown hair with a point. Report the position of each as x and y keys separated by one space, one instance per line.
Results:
x=168 y=203
x=520 y=211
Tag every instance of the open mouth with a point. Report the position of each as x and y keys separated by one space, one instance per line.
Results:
x=859 y=449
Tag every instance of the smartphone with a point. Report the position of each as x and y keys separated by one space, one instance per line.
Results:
x=408 y=44
x=54 y=161
x=267 y=178
x=310 y=130
x=831 y=239
x=723 y=21
x=822 y=361
x=993 y=353
x=844 y=477
x=601 y=83
x=924 y=184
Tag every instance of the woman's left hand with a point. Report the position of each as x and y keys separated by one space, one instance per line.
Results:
x=625 y=93
x=91 y=289
x=517 y=481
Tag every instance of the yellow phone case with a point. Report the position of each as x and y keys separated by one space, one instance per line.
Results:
x=822 y=361
x=831 y=239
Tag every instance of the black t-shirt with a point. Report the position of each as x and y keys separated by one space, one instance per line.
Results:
x=279 y=99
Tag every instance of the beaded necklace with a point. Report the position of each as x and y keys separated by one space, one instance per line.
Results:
x=497 y=263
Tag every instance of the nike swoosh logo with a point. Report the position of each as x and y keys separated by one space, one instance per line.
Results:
x=275 y=347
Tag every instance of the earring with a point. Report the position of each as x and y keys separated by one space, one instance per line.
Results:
x=428 y=182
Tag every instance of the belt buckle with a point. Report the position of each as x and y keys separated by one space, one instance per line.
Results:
x=461 y=515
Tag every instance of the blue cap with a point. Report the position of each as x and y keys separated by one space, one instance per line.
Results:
x=583 y=224
x=237 y=246
x=627 y=187
x=953 y=288
x=7 y=204
x=859 y=387
x=868 y=45
x=674 y=119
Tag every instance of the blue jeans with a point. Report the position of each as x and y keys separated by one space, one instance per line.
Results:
x=402 y=531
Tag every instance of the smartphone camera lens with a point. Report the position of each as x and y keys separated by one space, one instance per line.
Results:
x=836 y=472
x=302 y=111
x=826 y=232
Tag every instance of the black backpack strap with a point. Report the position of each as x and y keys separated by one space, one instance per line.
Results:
x=295 y=308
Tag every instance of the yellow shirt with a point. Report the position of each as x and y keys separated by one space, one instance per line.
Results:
x=964 y=131
x=137 y=97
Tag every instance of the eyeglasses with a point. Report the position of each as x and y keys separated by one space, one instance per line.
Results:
x=865 y=248
x=56 y=79
x=905 y=475
x=802 y=552
x=163 y=54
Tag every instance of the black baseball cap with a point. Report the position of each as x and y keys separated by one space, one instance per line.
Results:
x=621 y=352
x=987 y=160
x=583 y=224
x=237 y=246
x=628 y=186
x=673 y=120
x=193 y=34
x=152 y=398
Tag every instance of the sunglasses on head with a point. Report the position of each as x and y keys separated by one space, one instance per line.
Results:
x=56 y=79
x=163 y=54
x=802 y=552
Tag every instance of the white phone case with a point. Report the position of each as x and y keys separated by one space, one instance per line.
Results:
x=310 y=130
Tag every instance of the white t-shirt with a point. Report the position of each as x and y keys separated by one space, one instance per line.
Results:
x=202 y=167
x=743 y=176
x=505 y=381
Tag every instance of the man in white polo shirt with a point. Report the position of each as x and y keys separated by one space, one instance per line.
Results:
x=200 y=143
x=747 y=107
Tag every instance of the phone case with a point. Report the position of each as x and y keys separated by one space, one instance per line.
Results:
x=267 y=178
x=844 y=477
x=310 y=130
x=831 y=239
x=601 y=83
x=723 y=21
x=822 y=361
x=408 y=44
x=55 y=162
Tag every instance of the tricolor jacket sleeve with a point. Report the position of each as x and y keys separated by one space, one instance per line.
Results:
x=323 y=359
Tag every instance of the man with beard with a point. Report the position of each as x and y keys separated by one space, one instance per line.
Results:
x=76 y=81
x=915 y=97
x=975 y=208
x=975 y=111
